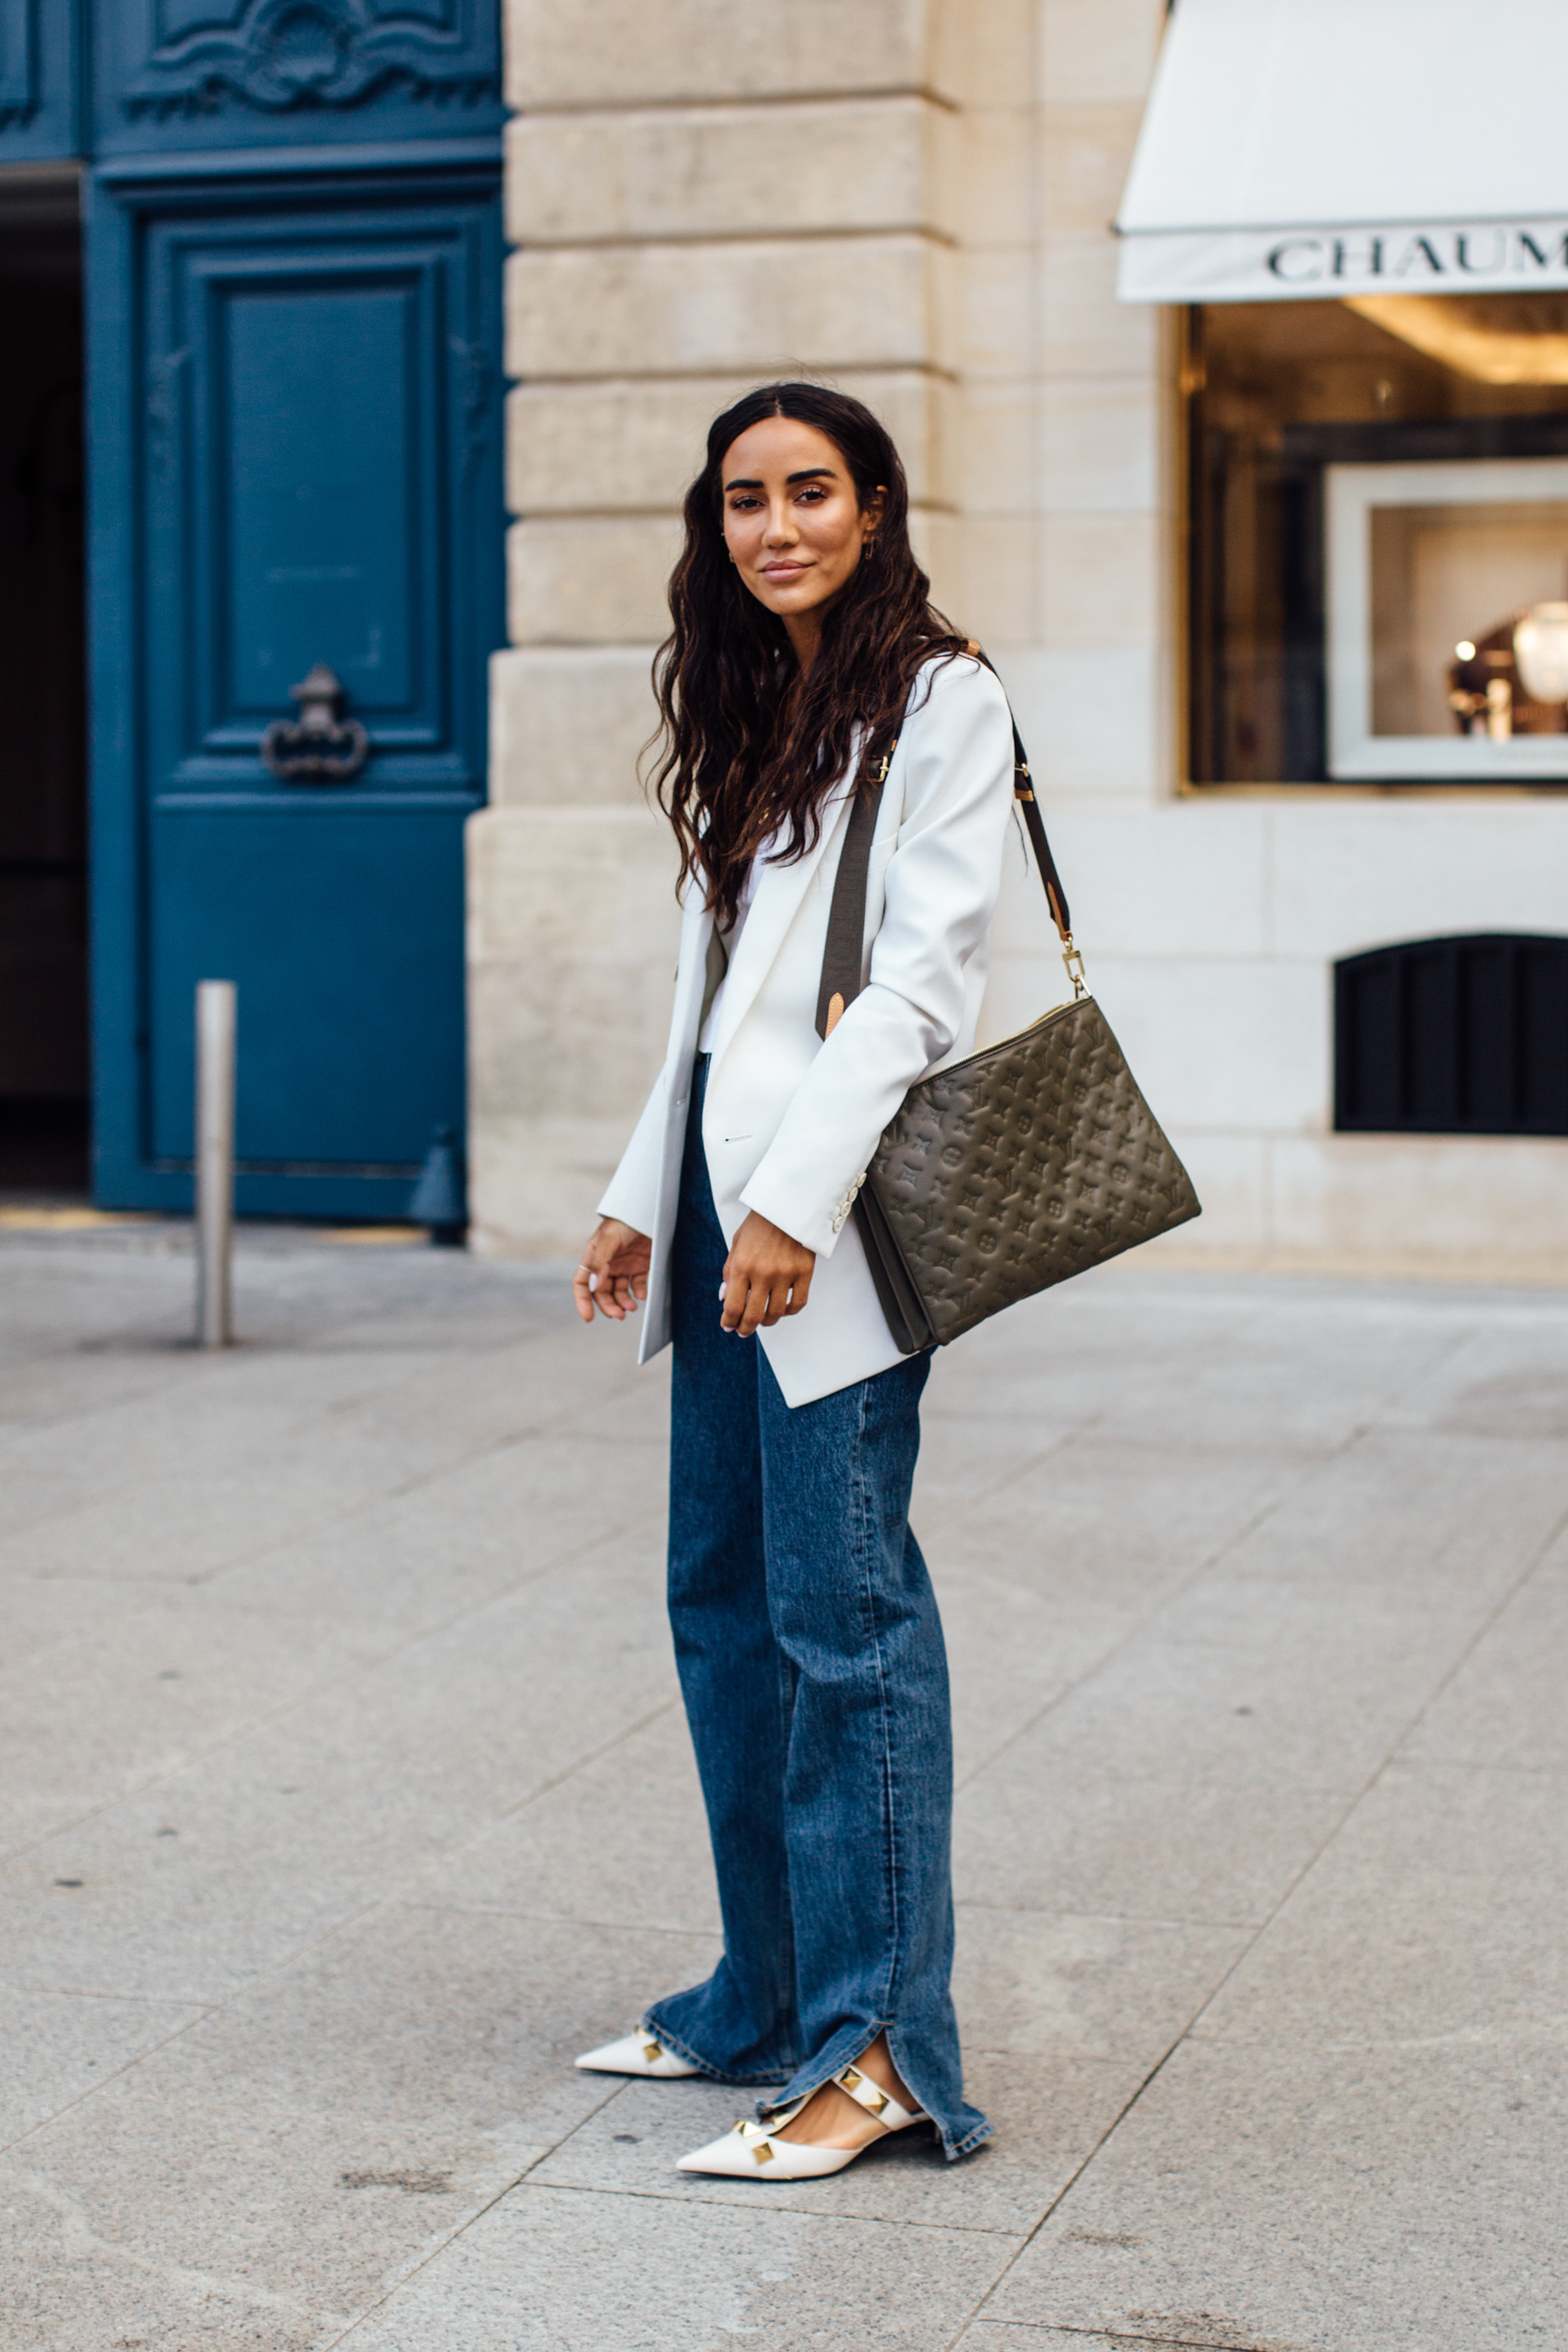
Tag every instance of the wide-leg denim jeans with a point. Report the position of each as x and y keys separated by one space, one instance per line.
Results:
x=815 y=1684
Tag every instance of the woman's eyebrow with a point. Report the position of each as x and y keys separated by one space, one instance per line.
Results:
x=806 y=474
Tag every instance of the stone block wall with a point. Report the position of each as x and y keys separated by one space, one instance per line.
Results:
x=912 y=200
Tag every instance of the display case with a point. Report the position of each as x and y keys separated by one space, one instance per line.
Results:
x=1446 y=652
x=1376 y=542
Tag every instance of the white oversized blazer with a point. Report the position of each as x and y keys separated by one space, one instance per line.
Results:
x=790 y=1121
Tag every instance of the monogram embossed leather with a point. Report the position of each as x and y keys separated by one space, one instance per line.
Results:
x=1017 y=1168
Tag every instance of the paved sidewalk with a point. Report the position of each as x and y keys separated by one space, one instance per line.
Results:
x=345 y=1796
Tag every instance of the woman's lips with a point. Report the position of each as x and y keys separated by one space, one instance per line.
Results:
x=782 y=571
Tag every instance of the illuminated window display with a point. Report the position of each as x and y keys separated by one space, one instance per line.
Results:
x=1378 y=541
x=1446 y=636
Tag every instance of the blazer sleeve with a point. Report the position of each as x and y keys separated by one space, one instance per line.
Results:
x=940 y=896
x=632 y=1193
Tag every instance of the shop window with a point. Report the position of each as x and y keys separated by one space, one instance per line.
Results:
x=1457 y=1036
x=1377 y=540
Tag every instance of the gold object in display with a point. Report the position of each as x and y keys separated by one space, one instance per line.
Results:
x=1514 y=678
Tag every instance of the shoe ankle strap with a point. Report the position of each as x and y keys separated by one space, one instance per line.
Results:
x=875 y=2100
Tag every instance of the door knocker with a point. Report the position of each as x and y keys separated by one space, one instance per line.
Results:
x=320 y=743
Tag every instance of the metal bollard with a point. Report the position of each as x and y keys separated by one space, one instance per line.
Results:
x=215 y=1162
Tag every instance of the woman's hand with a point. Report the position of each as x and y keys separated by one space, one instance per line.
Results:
x=767 y=1276
x=612 y=1275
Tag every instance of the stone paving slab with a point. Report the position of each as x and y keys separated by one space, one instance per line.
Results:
x=1053 y=1981
x=345 y=1795
x=184 y=1889
x=294 y=2209
x=548 y=2268
x=622 y=1843
x=999 y=2336
x=1388 y=2201
x=1438 y=1914
x=1506 y=1705
x=59 y=2047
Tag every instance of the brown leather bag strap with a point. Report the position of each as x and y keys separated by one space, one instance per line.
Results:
x=1035 y=826
x=841 y=960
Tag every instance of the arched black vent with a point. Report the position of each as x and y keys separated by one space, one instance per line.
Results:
x=1466 y=1036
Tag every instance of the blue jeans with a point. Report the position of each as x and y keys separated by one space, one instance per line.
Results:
x=815 y=1685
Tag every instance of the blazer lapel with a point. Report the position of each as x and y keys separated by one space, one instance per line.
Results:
x=780 y=892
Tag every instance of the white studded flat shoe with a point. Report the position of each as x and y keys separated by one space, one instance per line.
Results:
x=637 y=2053
x=750 y=2152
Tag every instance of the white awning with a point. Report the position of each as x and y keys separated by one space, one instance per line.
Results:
x=1306 y=149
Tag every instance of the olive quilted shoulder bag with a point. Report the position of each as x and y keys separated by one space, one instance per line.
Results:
x=1015 y=1168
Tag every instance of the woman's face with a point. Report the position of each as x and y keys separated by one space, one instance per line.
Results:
x=793 y=520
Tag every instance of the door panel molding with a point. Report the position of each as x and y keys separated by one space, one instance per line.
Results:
x=398 y=678
x=408 y=160
x=200 y=275
x=21 y=64
x=40 y=73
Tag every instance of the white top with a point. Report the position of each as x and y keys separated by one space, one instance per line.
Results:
x=732 y=939
x=1347 y=122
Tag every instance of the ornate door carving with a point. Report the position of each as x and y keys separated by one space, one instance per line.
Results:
x=203 y=73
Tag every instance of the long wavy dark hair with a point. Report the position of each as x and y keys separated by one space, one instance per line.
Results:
x=748 y=748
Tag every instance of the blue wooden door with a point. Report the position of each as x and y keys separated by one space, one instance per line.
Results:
x=295 y=439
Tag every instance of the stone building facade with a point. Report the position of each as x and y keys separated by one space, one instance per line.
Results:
x=912 y=200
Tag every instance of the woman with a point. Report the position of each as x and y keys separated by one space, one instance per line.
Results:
x=804 y=651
